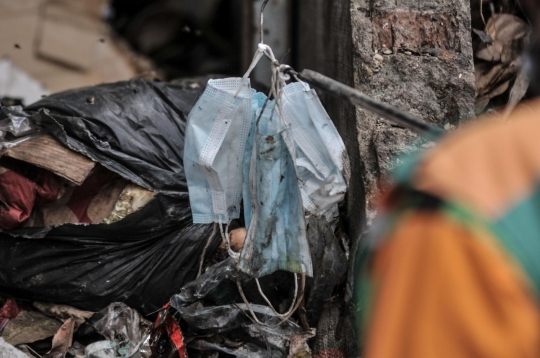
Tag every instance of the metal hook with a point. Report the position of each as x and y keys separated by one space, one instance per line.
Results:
x=262 y=18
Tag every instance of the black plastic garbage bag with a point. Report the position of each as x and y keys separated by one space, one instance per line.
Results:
x=135 y=129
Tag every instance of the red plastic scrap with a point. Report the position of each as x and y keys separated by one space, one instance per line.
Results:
x=172 y=329
x=175 y=334
x=9 y=311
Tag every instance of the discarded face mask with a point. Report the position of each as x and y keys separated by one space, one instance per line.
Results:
x=216 y=135
x=258 y=102
x=322 y=163
x=276 y=237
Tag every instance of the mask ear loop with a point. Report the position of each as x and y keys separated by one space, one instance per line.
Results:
x=205 y=249
x=287 y=316
x=275 y=64
x=227 y=240
x=279 y=80
x=262 y=50
x=306 y=87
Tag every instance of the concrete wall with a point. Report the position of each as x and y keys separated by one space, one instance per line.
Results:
x=414 y=54
x=325 y=44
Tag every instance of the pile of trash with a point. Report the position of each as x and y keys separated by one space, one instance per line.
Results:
x=99 y=252
x=95 y=204
x=116 y=331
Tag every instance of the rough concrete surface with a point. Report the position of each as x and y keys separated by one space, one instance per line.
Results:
x=416 y=55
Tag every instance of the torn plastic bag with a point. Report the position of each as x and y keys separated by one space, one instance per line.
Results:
x=118 y=322
x=226 y=319
x=216 y=135
x=135 y=129
x=245 y=351
x=164 y=340
x=329 y=266
x=218 y=287
x=208 y=282
x=276 y=237
x=218 y=319
x=15 y=127
x=322 y=163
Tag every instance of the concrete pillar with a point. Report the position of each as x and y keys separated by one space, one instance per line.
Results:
x=414 y=54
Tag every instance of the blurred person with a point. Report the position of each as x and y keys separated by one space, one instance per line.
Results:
x=453 y=269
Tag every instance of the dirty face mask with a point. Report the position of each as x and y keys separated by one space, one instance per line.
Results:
x=216 y=134
x=322 y=162
x=258 y=101
x=276 y=237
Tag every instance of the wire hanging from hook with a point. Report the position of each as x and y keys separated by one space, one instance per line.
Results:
x=262 y=19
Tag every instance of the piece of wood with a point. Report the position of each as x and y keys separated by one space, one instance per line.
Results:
x=46 y=152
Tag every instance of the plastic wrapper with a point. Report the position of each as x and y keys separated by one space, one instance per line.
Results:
x=208 y=282
x=16 y=127
x=231 y=320
x=329 y=266
x=244 y=351
x=123 y=325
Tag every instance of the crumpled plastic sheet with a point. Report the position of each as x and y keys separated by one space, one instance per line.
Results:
x=164 y=340
x=101 y=349
x=122 y=325
x=279 y=337
x=16 y=127
x=245 y=351
x=209 y=281
x=226 y=318
x=222 y=319
x=329 y=266
x=120 y=320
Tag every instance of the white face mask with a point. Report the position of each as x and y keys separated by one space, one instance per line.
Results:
x=217 y=131
x=322 y=162
x=216 y=134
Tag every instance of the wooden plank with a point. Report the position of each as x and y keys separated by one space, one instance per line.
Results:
x=46 y=152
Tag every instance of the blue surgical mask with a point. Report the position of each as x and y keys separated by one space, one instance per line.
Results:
x=257 y=106
x=276 y=237
x=322 y=162
x=216 y=134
